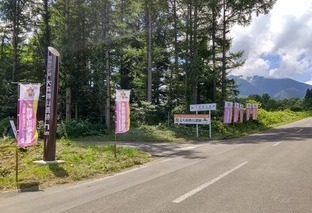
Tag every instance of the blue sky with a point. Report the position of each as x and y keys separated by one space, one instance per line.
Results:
x=279 y=44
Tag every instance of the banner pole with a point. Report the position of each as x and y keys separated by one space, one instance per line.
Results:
x=16 y=136
x=115 y=147
x=210 y=124
x=16 y=166
x=196 y=126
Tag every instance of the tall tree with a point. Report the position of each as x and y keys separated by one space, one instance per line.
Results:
x=47 y=29
x=239 y=12
x=149 y=48
x=106 y=29
x=66 y=57
x=167 y=52
x=308 y=98
x=15 y=14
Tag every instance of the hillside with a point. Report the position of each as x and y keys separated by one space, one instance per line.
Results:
x=279 y=89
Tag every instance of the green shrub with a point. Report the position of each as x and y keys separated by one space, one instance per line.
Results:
x=296 y=108
x=279 y=117
x=74 y=129
x=147 y=114
x=4 y=127
x=219 y=128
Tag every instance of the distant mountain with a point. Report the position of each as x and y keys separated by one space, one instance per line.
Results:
x=279 y=89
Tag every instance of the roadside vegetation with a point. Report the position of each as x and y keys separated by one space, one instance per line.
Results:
x=92 y=154
x=81 y=162
x=97 y=58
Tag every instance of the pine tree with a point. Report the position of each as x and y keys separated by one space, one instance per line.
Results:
x=308 y=98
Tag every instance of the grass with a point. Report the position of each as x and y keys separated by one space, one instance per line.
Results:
x=81 y=162
x=88 y=157
x=187 y=133
x=158 y=133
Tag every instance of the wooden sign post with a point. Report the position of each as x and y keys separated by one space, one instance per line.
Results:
x=52 y=80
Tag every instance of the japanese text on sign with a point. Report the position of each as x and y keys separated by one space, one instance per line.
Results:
x=191 y=119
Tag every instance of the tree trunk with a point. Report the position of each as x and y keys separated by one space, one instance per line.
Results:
x=47 y=32
x=194 y=56
x=149 y=50
x=2 y=44
x=16 y=8
x=223 y=78
x=188 y=41
x=176 y=57
x=107 y=68
x=76 y=111
x=214 y=71
x=68 y=100
x=68 y=76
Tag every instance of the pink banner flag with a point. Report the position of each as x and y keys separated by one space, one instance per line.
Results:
x=122 y=111
x=254 y=111
x=241 y=113
x=27 y=117
x=248 y=111
x=228 y=111
x=236 y=112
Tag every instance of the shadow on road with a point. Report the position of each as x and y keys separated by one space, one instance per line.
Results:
x=274 y=135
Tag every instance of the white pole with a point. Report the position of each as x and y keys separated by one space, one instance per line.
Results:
x=196 y=127
x=210 y=124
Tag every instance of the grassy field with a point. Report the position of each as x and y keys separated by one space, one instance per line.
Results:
x=81 y=162
x=87 y=157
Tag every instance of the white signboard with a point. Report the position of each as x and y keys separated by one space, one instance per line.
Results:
x=203 y=107
x=191 y=119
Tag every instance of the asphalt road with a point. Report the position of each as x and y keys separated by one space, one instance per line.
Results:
x=267 y=172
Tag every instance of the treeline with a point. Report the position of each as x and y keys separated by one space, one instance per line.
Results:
x=295 y=104
x=169 y=53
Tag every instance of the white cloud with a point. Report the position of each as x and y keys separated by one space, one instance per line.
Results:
x=278 y=44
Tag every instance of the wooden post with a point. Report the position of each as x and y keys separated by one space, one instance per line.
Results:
x=51 y=104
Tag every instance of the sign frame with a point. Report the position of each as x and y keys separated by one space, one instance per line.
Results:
x=203 y=107
x=192 y=119
x=196 y=108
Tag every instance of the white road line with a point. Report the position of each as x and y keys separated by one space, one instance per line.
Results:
x=299 y=130
x=205 y=185
x=166 y=160
x=278 y=143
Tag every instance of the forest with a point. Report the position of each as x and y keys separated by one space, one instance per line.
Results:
x=169 y=53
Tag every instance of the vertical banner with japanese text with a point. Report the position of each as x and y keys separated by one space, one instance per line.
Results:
x=254 y=111
x=236 y=112
x=27 y=117
x=122 y=111
x=248 y=111
x=228 y=111
x=241 y=113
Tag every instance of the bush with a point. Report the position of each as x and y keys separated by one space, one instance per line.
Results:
x=5 y=127
x=74 y=129
x=147 y=114
x=219 y=128
x=296 y=108
x=279 y=117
